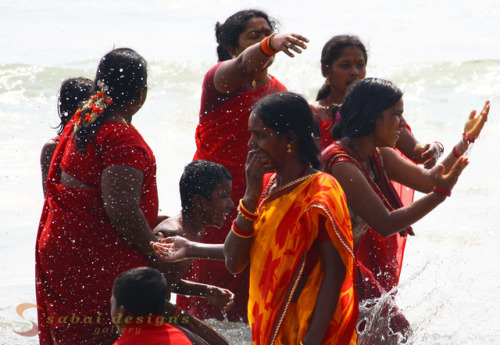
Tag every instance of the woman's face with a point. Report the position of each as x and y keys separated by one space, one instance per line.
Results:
x=389 y=125
x=257 y=29
x=266 y=141
x=347 y=69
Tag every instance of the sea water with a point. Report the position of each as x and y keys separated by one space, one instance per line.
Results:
x=445 y=55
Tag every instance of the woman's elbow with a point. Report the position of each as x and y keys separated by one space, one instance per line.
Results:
x=233 y=266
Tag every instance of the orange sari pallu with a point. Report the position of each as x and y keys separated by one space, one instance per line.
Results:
x=286 y=229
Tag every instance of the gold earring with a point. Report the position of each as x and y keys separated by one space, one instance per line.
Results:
x=288 y=148
x=327 y=81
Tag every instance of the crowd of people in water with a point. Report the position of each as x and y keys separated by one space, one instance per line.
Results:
x=294 y=213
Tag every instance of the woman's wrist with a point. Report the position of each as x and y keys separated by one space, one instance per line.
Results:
x=442 y=191
x=250 y=201
x=191 y=249
x=460 y=148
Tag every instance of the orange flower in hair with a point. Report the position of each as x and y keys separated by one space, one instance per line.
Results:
x=95 y=107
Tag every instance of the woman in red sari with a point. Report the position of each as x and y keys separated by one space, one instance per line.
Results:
x=230 y=88
x=101 y=206
x=343 y=62
x=363 y=161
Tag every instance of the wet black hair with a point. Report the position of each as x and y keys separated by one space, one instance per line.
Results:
x=332 y=51
x=288 y=111
x=363 y=106
x=201 y=177
x=227 y=34
x=124 y=72
x=141 y=291
x=72 y=94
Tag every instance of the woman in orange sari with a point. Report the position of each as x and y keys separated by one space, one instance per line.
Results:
x=295 y=236
x=247 y=48
x=363 y=161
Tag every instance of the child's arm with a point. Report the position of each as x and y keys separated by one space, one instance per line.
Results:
x=220 y=298
x=178 y=248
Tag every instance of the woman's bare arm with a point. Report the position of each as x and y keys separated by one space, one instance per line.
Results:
x=366 y=203
x=328 y=295
x=231 y=74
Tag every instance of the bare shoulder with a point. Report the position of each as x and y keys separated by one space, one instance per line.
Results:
x=171 y=226
x=48 y=148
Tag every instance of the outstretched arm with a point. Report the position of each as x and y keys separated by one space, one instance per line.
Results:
x=177 y=248
x=220 y=298
x=231 y=74
x=367 y=204
x=427 y=154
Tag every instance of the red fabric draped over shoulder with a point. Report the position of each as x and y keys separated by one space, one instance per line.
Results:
x=379 y=258
x=78 y=252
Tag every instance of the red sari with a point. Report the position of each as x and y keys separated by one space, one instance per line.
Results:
x=222 y=136
x=78 y=252
x=379 y=258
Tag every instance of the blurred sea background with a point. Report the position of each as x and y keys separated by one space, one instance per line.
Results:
x=444 y=54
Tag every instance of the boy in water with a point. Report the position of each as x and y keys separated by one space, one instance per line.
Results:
x=137 y=305
x=205 y=189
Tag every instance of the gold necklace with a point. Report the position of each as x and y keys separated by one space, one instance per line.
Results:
x=268 y=193
x=125 y=122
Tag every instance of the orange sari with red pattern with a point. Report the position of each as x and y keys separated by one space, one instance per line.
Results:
x=286 y=228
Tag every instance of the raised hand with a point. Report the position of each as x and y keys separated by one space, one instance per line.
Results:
x=449 y=180
x=288 y=43
x=474 y=124
x=257 y=164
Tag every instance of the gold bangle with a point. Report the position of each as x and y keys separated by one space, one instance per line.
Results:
x=244 y=216
x=246 y=212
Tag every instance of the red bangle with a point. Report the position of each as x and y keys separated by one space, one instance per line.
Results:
x=464 y=136
x=441 y=191
x=240 y=233
x=265 y=46
x=245 y=213
x=455 y=152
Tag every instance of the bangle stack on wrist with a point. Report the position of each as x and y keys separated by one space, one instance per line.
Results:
x=240 y=233
x=245 y=213
x=265 y=46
